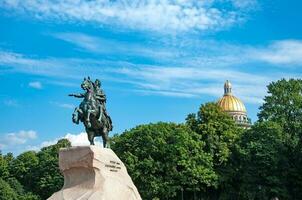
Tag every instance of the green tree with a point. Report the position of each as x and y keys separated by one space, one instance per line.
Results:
x=16 y=185
x=29 y=196
x=47 y=177
x=217 y=129
x=20 y=191
x=31 y=175
x=9 y=157
x=6 y=192
x=4 y=167
x=220 y=134
x=23 y=168
x=283 y=105
x=164 y=158
x=263 y=163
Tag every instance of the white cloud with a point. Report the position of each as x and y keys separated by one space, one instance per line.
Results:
x=35 y=84
x=165 y=93
x=32 y=65
x=247 y=4
x=78 y=140
x=62 y=83
x=75 y=139
x=11 y=103
x=167 y=74
x=157 y=15
x=193 y=52
x=194 y=82
x=67 y=105
x=109 y=46
x=201 y=69
x=51 y=67
x=82 y=40
x=284 y=52
x=63 y=105
x=17 y=138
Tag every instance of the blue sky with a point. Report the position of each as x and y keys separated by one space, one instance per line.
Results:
x=158 y=60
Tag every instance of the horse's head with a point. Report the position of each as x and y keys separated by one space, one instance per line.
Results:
x=87 y=84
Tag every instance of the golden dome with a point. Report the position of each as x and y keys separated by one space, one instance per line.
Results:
x=230 y=103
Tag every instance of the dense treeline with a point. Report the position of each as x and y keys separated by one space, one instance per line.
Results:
x=207 y=157
x=31 y=175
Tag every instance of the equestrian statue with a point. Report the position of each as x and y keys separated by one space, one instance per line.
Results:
x=92 y=111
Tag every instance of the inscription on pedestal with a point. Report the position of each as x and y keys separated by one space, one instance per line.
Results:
x=113 y=166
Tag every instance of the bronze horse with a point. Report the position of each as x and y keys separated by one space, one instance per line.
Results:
x=91 y=113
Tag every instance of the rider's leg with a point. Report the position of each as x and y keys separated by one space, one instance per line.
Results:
x=88 y=118
x=100 y=109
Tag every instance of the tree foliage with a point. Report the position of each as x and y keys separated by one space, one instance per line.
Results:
x=24 y=167
x=283 y=105
x=263 y=163
x=6 y=192
x=220 y=134
x=4 y=167
x=31 y=175
x=217 y=129
x=164 y=158
x=47 y=176
x=267 y=158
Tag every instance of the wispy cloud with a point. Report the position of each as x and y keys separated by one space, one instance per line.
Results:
x=83 y=41
x=10 y=61
x=159 y=15
x=62 y=83
x=108 y=46
x=66 y=105
x=63 y=105
x=285 y=52
x=192 y=52
x=51 y=67
x=9 y=140
x=194 y=82
x=35 y=85
x=190 y=75
x=246 y=4
x=11 y=103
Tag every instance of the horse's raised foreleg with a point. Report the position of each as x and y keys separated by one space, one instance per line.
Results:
x=75 y=115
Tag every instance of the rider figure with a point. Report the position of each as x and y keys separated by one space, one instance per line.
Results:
x=101 y=97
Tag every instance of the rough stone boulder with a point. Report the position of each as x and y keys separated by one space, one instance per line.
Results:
x=94 y=173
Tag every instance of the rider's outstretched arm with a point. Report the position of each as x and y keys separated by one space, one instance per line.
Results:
x=77 y=95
